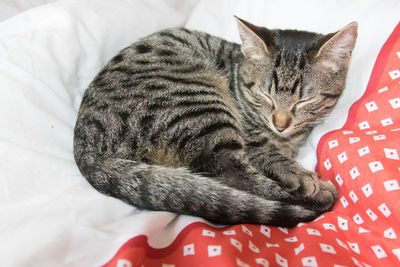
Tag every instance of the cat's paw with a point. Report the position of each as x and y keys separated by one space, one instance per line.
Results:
x=299 y=181
x=326 y=198
x=309 y=184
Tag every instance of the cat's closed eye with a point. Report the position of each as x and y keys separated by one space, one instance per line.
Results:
x=269 y=99
x=300 y=104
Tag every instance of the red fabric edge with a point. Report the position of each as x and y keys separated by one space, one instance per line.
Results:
x=155 y=253
x=141 y=240
x=377 y=72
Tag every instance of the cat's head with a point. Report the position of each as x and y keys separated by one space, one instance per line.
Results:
x=294 y=78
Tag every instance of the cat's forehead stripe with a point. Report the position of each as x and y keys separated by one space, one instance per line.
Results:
x=302 y=61
x=278 y=60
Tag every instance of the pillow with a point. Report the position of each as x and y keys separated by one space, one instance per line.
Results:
x=50 y=215
x=9 y=8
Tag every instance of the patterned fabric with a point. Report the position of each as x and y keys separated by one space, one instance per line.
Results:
x=362 y=159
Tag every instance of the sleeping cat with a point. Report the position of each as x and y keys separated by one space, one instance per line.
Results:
x=186 y=122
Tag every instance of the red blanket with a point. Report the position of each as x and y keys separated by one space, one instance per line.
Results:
x=361 y=159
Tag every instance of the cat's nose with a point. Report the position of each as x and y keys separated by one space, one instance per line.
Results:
x=281 y=121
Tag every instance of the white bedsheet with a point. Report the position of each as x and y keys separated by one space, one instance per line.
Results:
x=10 y=8
x=49 y=214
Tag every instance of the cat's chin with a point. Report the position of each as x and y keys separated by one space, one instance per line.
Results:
x=290 y=132
x=284 y=134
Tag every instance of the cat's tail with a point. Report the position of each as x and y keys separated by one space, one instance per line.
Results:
x=178 y=190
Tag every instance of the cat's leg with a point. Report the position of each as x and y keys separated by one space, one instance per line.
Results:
x=283 y=169
x=230 y=165
x=225 y=159
x=294 y=178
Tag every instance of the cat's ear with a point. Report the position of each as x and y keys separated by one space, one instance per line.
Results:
x=253 y=45
x=335 y=50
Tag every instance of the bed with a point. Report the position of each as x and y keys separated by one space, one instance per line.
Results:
x=51 y=216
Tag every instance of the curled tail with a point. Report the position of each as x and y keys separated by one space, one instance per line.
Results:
x=178 y=190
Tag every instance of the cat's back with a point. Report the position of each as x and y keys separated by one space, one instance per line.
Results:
x=172 y=55
x=174 y=50
x=143 y=91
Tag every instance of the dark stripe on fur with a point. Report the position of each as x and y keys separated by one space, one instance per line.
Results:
x=302 y=62
x=328 y=95
x=143 y=48
x=198 y=113
x=175 y=38
x=294 y=87
x=209 y=129
x=258 y=143
x=275 y=77
x=180 y=80
x=278 y=60
x=229 y=145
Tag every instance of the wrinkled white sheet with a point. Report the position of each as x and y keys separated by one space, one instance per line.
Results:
x=9 y=8
x=49 y=214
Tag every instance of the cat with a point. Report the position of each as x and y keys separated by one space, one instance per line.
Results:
x=187 y=122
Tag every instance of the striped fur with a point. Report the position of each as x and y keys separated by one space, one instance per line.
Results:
x=183 y=121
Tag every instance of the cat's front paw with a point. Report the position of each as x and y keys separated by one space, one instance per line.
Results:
x=309 y=184
x=297 y=180
x=326 y=197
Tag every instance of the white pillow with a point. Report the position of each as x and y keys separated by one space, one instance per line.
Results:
x=9 y=8
x=50 y=216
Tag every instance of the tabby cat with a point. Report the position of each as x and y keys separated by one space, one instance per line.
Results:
x=186 y=122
